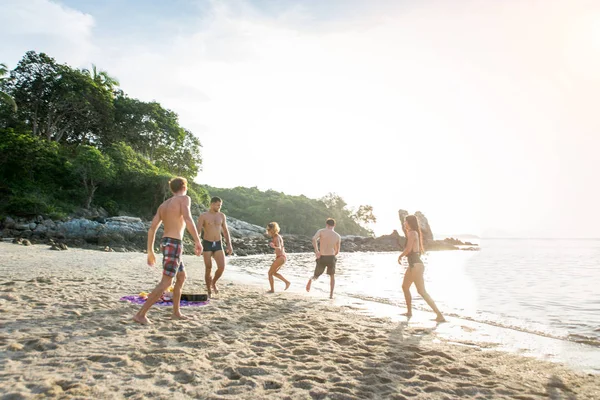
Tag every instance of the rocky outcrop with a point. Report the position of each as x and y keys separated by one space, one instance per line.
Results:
x=130 y=234
x=241 y=229
x=423 y=224
x=303 y=244
x=116 y=233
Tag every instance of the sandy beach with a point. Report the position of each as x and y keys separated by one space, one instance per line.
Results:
x=65 y=334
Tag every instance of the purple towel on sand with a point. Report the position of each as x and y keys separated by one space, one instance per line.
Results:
x=183 y=303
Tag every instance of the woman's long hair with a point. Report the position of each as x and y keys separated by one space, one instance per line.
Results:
x=413 y=222
x=273 y=228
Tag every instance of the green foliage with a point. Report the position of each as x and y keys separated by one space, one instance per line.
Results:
x=5 y=97
x=155 y=132
x=68 y=105
x=92 y=168
x=26 y=206
x=111 y=207
x=77 y=140
x=295 y=214
x=57 y=102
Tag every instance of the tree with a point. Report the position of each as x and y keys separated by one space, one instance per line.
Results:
x=93 y=169
x=58 y=102
x=334 y=202
x=155 y=132
x=102 y=79
x=5 y=97
x=295 y=214
x=364 y=215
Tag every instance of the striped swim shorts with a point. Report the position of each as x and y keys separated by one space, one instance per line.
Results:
x=171 y=250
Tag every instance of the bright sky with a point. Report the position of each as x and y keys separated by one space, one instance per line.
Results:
x=481 y=114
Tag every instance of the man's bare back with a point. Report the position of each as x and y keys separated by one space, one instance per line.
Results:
x=171 y=213
x=328 y=242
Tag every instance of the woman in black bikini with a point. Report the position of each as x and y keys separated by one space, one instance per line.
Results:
x=280 y=257
x=414 y=273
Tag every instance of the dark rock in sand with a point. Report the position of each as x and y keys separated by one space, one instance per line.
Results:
x=8 y=223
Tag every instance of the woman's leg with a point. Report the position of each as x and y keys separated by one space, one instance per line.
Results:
x=273 y=272
x=418 y=270
x=408 y=280
x=279 y=276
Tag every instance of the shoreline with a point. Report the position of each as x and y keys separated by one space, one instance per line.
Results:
x=244 y=344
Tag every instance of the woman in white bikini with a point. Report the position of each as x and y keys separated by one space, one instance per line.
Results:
x=280 y=257
x=414 y=273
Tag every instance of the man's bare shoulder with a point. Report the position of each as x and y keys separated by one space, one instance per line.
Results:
x=338 y=235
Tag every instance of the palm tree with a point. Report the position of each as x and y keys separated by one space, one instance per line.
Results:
x=5 y=97
x=102 y=78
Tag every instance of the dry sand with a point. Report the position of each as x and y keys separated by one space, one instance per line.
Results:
x=65 y=334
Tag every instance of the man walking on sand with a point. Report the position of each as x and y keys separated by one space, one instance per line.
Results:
x=213 y=222
x=176 y=215
x=326 y=251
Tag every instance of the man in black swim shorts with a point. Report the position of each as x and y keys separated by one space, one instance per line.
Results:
x=213 y=223
x=326 y=243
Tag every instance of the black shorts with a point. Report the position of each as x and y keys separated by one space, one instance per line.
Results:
x=325 y=261
x=211 y=246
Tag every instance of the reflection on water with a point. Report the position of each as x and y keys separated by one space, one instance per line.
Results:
x=548 y=287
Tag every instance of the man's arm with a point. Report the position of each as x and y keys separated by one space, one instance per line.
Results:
x=229 y=248
x=314 y=242
x=156 y=221
x=189 y=223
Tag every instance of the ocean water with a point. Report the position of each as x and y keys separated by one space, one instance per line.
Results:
x=546 y=288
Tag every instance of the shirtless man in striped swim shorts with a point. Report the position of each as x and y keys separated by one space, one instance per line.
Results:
x=175 y=213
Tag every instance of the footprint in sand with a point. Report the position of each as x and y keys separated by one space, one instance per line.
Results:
x=306 y=385
x=232 y=374
x=459 y=371
x=40 y=345
x=184 y=376
x=271 y=385
x=428 y=378
x=438 y=353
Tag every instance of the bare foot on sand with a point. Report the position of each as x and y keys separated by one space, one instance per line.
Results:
x=142 y=320
x=308 y=285
x=215 y=289
x=440 y=318
x=407 y=315
x=331 y=297
x=181 y=316
x=287 y=285
x=270 y=291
